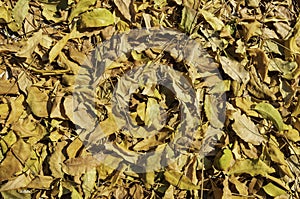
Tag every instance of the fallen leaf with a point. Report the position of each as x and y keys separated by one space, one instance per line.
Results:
x=81 y=6
x=188 y=19
x=269 y=112
x=234 y=69
x=273 y=190
x=252 y=167
x=79 y=165
x=56 y=49
x=179 y=180
x=19 y=182
x=223 y=159
x=215 y=22
x=246 y=129
x=38 y=101
x=213 y=112
x=8 y=87
x=260 y=61
x=19 y=13
x=56 y=160
x=98 y=17
x=124 y=7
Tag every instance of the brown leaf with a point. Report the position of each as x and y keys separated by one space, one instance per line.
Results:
x=124 y=7
x=79 y=165
x=246 y=129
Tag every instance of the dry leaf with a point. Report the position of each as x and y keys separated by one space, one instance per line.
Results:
x=246 y=129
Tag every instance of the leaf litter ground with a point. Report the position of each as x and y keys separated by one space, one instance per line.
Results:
x=44 y=47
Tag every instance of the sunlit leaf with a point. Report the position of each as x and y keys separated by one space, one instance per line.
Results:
x=273 y=190
x=252 y=167
x=246 y=129
x=216 y=23
x=98 y=17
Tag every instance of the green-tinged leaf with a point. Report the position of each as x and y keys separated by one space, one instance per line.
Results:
x=98 y=17
x=246 y=129
x=269 y=112
x=179 y=180
x=287 y=68
x=215 y=23
x=252 y=167
x=88 y=182
x=223 y=159
x=81 y=6
x=19 y=13
x=273 y=190
x=187 y=19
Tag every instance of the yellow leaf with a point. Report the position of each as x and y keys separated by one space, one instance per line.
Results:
x=215 y=23
x=98 y=17
x=269 y=112
x=81 y=6
x=273 y=190
x=252 y=167
x=179 y=180
x=38 y=102
x=56 y=49
x=19 y=13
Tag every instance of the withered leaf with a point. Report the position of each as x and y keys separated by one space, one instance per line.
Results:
x=234 y=69
x=19 y=13
x=246 y=129
x=56 y=49
x=215 y=22
x=124 y=8
x=79 y=165
x=56 y=160
x=38 y=101
x=179 y=180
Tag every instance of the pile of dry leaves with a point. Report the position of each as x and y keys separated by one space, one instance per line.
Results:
x=85 y=84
